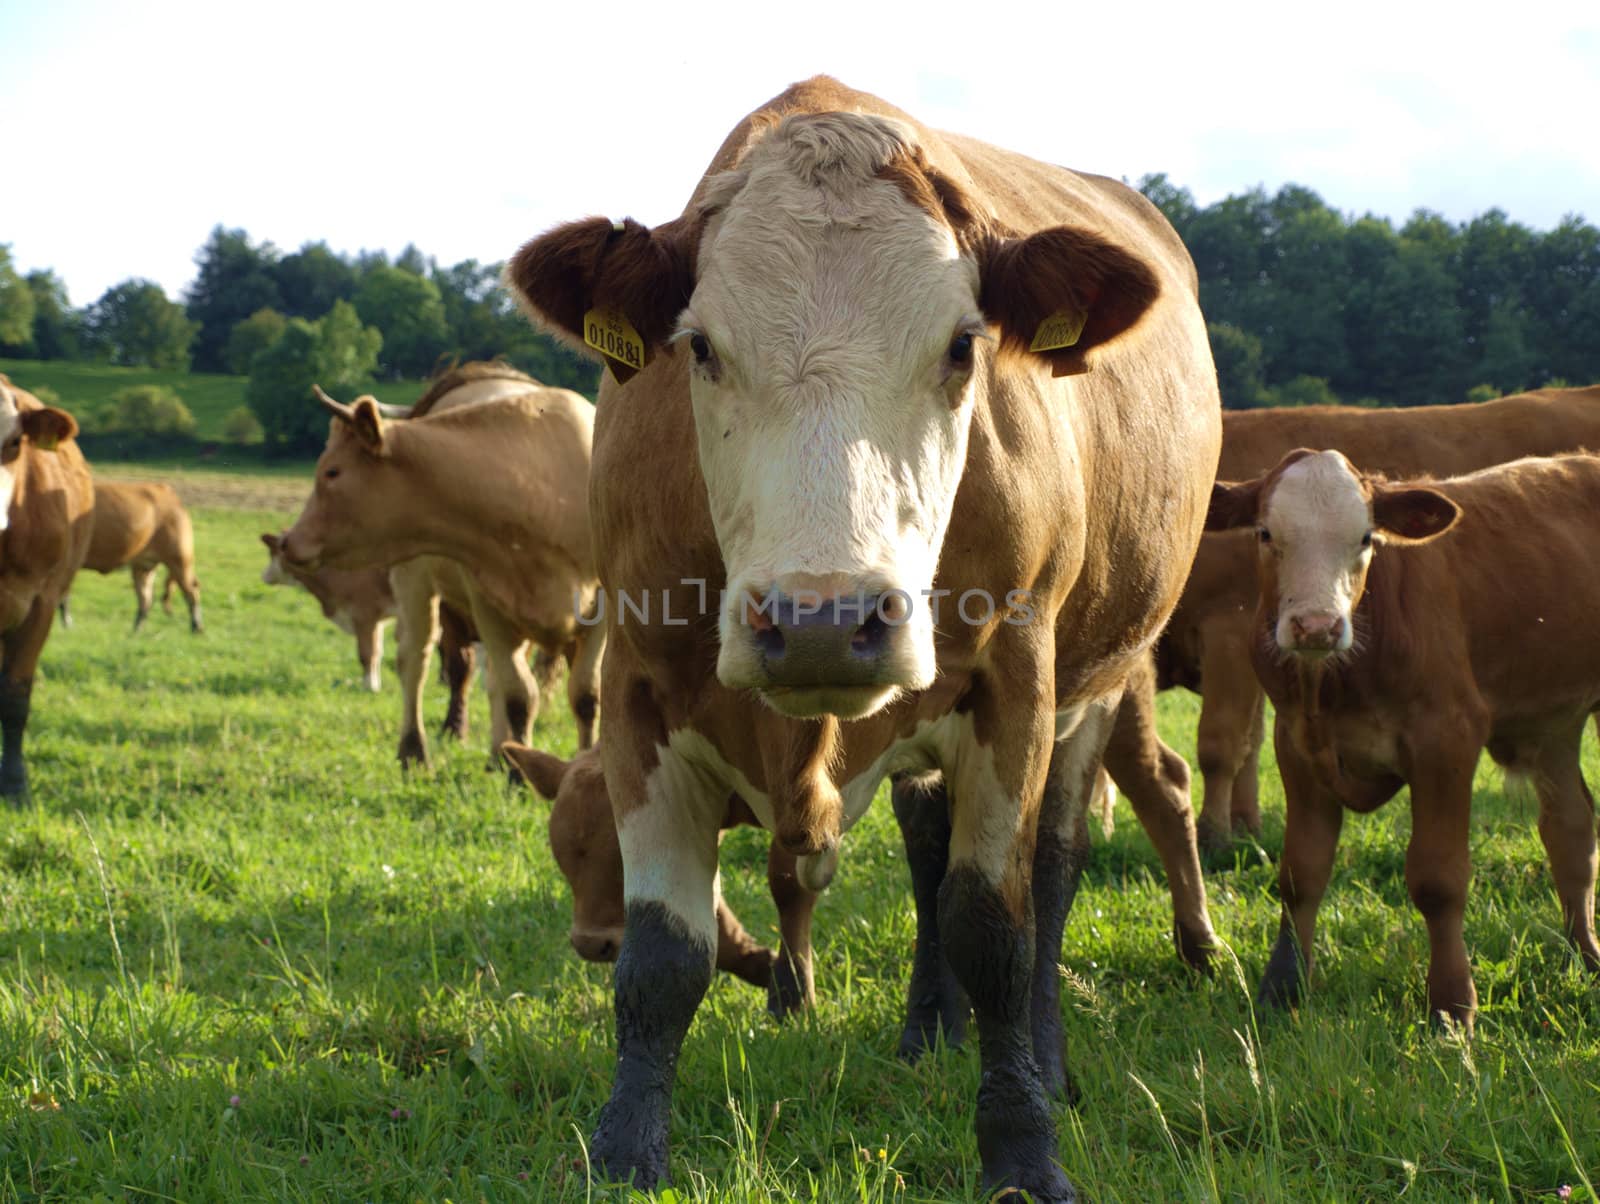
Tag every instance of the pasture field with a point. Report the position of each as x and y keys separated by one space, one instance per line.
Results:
x=243 y=958
x=211 y=397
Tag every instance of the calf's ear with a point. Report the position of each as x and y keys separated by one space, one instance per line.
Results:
x=539 y=769
x=1408 y=516
x=46 y=428
x=1062 y=292
x=1233 y=505
x=613 y=290
x=271 y=541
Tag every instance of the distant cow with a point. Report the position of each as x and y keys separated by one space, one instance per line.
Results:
x=358 y=602
x=583 y=837
x=1400 y=630
x=495 y=493
x=46 y=511
x=1206 y=645
x=143 y=526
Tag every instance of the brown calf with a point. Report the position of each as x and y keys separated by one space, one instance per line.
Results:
x=583 y=837
x=143 y=525
x=357 y=601
x=1400 y=631
x=46 y=511
x=1206 y=645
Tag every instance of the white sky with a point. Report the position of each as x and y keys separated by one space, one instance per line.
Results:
x=130 y=129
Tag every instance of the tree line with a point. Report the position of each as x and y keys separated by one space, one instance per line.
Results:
x=1304 y=304
x=286 y=319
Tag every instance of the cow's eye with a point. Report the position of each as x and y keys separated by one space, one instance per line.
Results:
x=1263 y=535
x=331 y=473
x=1366 y=540
x=700 y=346
x=961 y=349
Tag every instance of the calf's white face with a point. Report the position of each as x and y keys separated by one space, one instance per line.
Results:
x=832 y=338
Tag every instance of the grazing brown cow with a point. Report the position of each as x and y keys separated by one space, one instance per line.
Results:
x=1206 y=646
x=46 y=511
x=871 y=371
x=357 y=601
x=492 y=495
x=143 y=526
x=583 y=837
x=1397 y=643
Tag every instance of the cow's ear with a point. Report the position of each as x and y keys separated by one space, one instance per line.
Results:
x=1233 y=505
x=1407 y=516
x=368 y=424
x=1062 y=292
x=539 y=769
x=271 y=541
x=613 y=290
x=46 y=428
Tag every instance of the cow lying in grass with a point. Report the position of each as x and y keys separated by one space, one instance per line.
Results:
x=143 y=526
x=46 y=512
x=357 y=601
x=583 y=837
x=1401 y=630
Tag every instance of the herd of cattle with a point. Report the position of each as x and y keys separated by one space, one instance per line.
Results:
x=914 y=440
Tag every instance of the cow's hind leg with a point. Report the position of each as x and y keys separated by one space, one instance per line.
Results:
x=1567 y=827
x=667 y=824
x=935 y=1002
x=144 y=591
x=416 y=630
x=1156 y=782
x=458 y=661
x=22 y=648
x=369 y=651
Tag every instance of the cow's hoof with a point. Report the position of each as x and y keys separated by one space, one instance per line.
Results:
x=14 y=785
x=631 y=1154
x=1058 y=1082
x=1195 y=948
x=786 y=995
x=413 y=752
x=1030 y=1167
x=1283 y=984
x=1218 y=855
x=921 y=1036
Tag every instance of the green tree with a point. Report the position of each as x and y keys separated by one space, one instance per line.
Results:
x=1506 y=355
x=1237 y=354
x=1302 y=390
x=235 y=279
x=16 y=305
x=335 y=351
x=256 y=333
x=312 y=279
x=1176 y=203
x=242 y=426
x=57 y=327
x=410 y=312
x=133 y=324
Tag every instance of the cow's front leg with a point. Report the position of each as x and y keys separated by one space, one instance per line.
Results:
x=935 y=1002
x=986 y=920
x=667 y=823
x=1059 y=856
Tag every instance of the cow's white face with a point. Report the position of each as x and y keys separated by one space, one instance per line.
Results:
x=1316 y=527
x=832 y=337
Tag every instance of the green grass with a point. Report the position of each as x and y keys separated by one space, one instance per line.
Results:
x=226 y=888
x=210 y=398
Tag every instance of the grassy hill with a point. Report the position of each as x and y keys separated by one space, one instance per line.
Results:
x=211 y=398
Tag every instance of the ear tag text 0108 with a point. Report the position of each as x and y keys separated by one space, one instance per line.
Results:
x=613 y=336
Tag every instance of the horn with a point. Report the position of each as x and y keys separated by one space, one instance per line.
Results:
x=337 y=408
x=390 y=412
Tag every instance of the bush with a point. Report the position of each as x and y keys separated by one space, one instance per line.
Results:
x=1301 y=391
x=143 y=410
x=242 y=426
x=1482 y=393
x=335 y=351
x=46 y=395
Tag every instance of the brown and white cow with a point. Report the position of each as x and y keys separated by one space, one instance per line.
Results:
x=1401 y=630
x=46 y=512
x=357 y=601
x=1206 y=646
x=493 y=493
x=875 y=361
x=143 y=526
x=583 y=837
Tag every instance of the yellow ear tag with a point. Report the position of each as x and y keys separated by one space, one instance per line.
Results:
x=1060 y=329
x=614 y=337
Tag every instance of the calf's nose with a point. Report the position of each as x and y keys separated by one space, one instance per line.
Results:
x=596 y=946
x=1317 y=630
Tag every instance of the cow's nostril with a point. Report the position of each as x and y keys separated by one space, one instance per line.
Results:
x=870 y=638
x=770 y=640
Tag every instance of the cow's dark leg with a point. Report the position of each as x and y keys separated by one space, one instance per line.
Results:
x=668 y=836
x=458 y=662
x=1061 y=851
x=1228 y=711
x=935 y=1002
x=15 y=697
x=583 y=682
x=144 y=590
x=986 y=909
x=791 y=988
x=66 y=615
